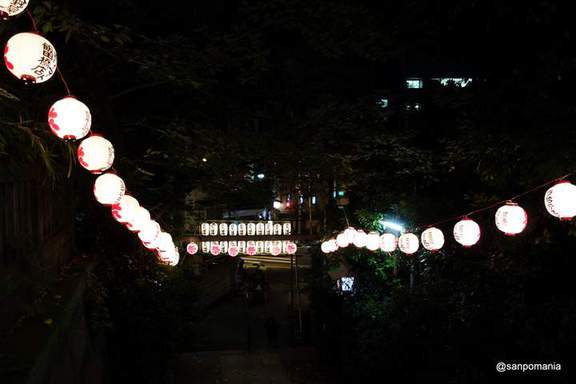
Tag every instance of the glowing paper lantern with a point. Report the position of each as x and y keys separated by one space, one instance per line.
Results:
x=70 y=118
x=30 y=57
x=325 y=247
x=350 y=233
x=125 y=210
x=342 y=240
x=109 y=189
x=192 y=248
x=511 y=219
x=149 y=232
x=164 y=242
x=276 y=249
x=291 y=248
x=215 y=248
x=251 y=248
x=96 y=154
x=408 y=243
x=360 y=238
x=12 y=7
x=169 y=257
x=388 y=242
x=560 y=200
x=205 y=229
x=333 y=245
x=373 y=241
x=432 y=239
x=233 y=250
x=467 y=232
x=140 y=218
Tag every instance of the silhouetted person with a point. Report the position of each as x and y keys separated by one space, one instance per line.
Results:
x=271 y=326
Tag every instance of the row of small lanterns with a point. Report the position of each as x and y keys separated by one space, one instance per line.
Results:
x=32 y=58
x=235 y=248
x=511 y=219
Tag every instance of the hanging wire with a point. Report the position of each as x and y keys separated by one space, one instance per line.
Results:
x=34 y=26
x=496 y=204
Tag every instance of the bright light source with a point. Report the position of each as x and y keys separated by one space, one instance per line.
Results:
x=391 y=225
x=314 y=200
x=414 y=83
x=204 y=159
x=260 y=176
x=346 y=284
x=341 y=193
x=277 y=204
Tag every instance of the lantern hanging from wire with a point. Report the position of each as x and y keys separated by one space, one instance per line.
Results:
x=560 y=200
x=467 y=232
x=373 y=241
x=109 y=189
x=192 y=248
x=388 y=242
x=141 y=217
x=360 y=238
x=432 y=239
x=325 y=247
x=30 y=57
x=342 y=240
x=333 y=245
x=350 y=233
x=125 y=209
x=69 y=118
x=251 y=248
x=408 y=243
x=276 y=249
x=149 y=232
x=169 y=256
x=511 y=219
x=12 y=8
x=96 y=154
x=215 y=248
x=164 y=242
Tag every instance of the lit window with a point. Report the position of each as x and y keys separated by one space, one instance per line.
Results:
x=383 y=103
x=456 y=81
x=341 y=193
x=414 y=83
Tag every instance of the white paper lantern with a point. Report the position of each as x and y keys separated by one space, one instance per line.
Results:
x=30 y=57
x=96 y=154
x=560 y=200
x=215 y=248
x=233 y=250
x=109 y=189
x=350 y=233
x=342 y=240
x=467 y=232
x=12 y=7
x=192 y=248
x=164 y=242
x=388 y=242
x=373 y=241
x=511 y=219
x=408 y=243
x=360 y=238
x=432 y=239
x=141 y=216
x=169 y=257
x=291 y=248
x=149 y=232
x=125 y=210
x=70 y=118
x=325 y=247
x=276 y=249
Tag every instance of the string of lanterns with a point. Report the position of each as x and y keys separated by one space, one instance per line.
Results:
x=249 y=248
x=510 y=218
x=31 y=58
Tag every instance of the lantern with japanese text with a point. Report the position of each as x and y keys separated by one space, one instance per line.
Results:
x=215 y=248
x=408 y=243
x=136 y=222
x=149 y=232
x=192 y=248
x=96 y=154
x=291 y=248
x=467 y=232
x=511 y=219
x=12 y=7
x=70 y=118
x=30 y=57
x=109 y=189
x=276 y=248
x=251 y=248
x=373 y=241
x=388 y=242
x=432 y=239
x=560 y=200
x=233 y=250
x=164 y=242
x=125 y=209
